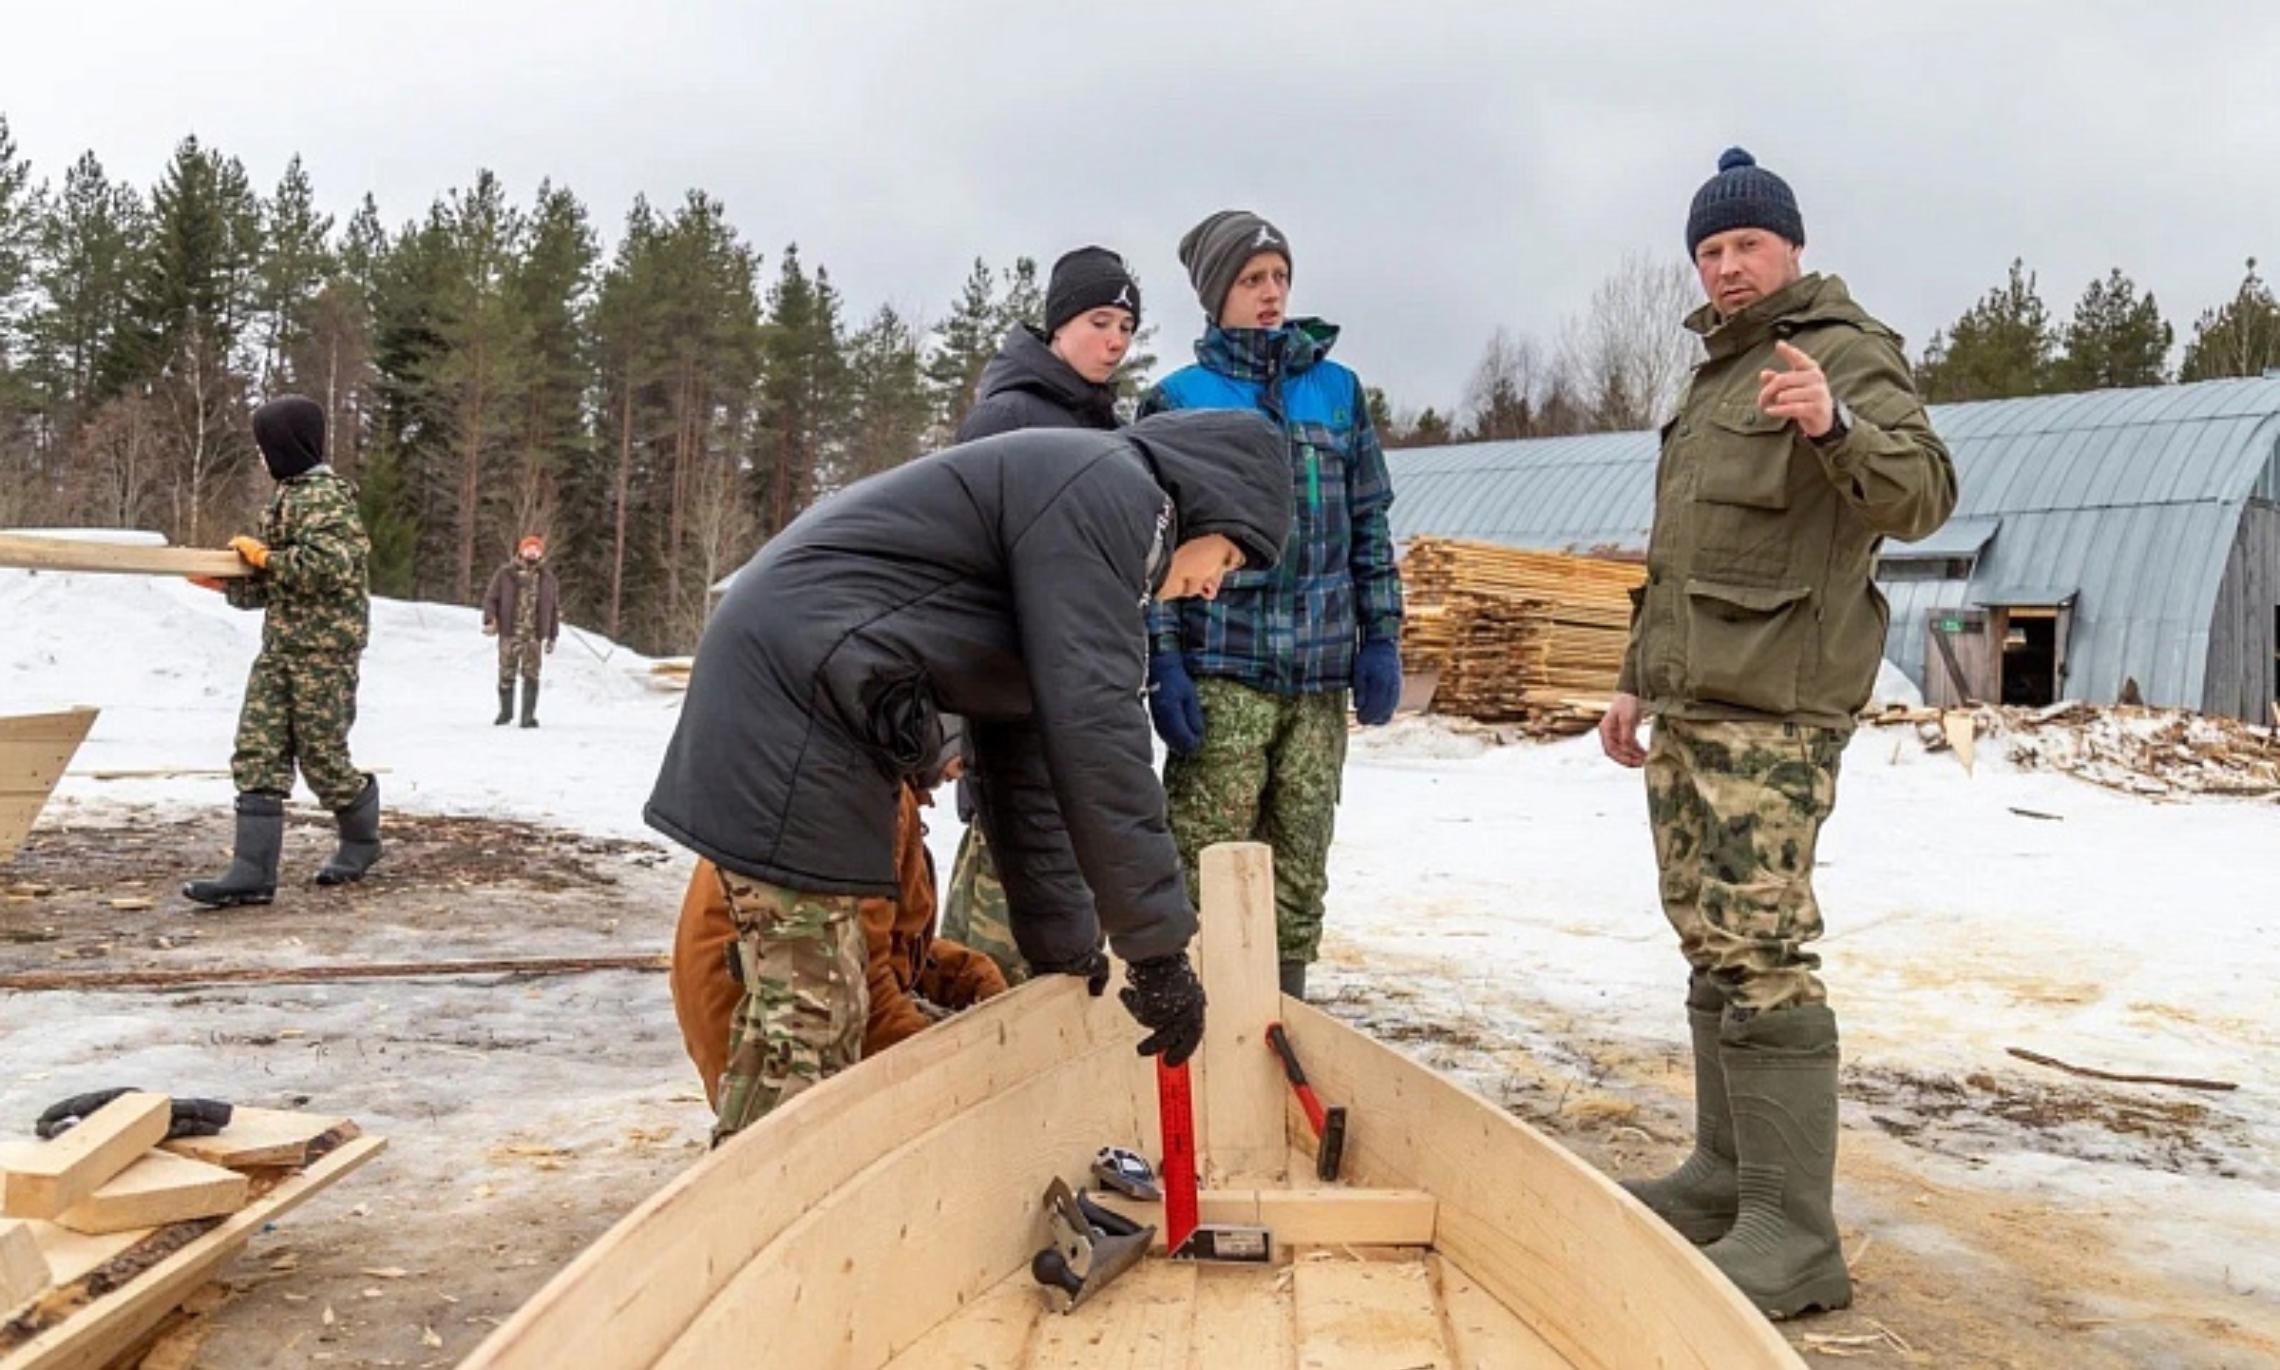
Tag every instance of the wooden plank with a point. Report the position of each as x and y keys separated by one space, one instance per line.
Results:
x=34 y=751
x=992 y=1332
x=23 y=1269
x=1589 y=1269
x=1141 y=1322
x=43 y=1179
x=626 y=1299
x=1307 y=1217
x=71 y=1255
x=113 y=1323
x=118 y=558
x=1240 y=1092
x=1368 y=1315
x=1484 y=1334
x=951 y=1212
x=156 y=1190
x=261 y=1136
x=1242 y=1318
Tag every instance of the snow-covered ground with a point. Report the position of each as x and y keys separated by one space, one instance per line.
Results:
x=1967 y=914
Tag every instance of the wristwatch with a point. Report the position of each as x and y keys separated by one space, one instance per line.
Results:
x=1840 y=425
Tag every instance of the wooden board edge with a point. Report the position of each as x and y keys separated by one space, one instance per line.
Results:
x=21 y=552
x=90 y=1336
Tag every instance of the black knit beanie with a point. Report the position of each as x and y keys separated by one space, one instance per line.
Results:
x=1214 y=252
x=1089 y=278
x=290 y=431
x=1743 y=195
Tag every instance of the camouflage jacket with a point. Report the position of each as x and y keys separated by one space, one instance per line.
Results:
x=314 y=588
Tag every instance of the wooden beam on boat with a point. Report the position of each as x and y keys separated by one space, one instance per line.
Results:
x=1369 y=1314
x=34 y=750
x=1307 y=1217
x=118 y=558
x=1241 y=1087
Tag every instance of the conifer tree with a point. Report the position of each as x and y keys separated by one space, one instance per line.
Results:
x=2238 y=338
x=888 y=408
x=2117 y=338
x=2000 y=348
x=964 y=342
x=295 y=263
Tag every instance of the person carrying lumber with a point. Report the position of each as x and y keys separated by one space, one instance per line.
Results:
x=1062 y=376
x=1799 y=445
x=913 y=978
x=522 y=608
x=1249 y=690
x=300 y=699
x=1006 y=581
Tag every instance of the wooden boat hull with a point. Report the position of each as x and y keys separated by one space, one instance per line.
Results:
x=34 y=750
x=891 y=1211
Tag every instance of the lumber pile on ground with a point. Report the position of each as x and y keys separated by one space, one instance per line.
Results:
x=1529 y=637
x=109 y=1228
x=2153 y=752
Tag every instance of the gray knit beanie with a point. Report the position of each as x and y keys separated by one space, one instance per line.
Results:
x=1214 y=252
x=1743 y=195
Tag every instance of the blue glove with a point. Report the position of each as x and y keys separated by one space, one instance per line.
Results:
x=1174 y=704
x=1377 y=681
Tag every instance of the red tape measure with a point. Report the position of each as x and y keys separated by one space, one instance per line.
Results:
x=1177 y=1106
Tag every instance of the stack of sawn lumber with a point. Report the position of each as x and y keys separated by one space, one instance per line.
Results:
x=1529 y=637
x=106 y=1228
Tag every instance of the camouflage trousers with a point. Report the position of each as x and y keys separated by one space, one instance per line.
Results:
x=519 y=656
x=1736 y=809
x=974 y=915
x=297 y=711
x=803 y=962
x=1268 y=771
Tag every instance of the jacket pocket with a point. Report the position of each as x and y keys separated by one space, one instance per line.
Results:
x=1741 y=506
x=1746 y=644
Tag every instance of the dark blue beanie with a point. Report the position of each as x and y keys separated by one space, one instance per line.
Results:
x=1743 y=195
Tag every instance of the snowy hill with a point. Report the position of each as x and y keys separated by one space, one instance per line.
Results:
x=166 y=663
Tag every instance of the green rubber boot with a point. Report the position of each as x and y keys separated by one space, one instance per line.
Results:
x=1781 y=1076
x=1699 y=1198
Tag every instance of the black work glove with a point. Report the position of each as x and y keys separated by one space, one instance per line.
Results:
x=1163 y=993
x=192 y=1117
x=1093 y=966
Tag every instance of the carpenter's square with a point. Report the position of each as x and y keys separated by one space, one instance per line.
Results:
x=1184 y=1237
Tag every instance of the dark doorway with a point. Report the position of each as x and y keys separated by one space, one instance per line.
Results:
x=2030 y=658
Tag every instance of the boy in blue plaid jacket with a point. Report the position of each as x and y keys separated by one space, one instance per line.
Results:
x=1249 y=689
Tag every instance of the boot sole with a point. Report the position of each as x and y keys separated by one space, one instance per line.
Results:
x=1827 y=1293
x=331 y=881
x=231 y=901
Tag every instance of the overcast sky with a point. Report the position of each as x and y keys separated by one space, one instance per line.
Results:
x=1440 y=169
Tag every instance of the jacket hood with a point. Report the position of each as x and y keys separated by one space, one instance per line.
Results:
x=290 y=431
x=1025 y=361
x=1227 y=472
x=1810 y=299
x=1262 y=354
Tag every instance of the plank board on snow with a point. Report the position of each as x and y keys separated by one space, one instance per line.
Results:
x=262 y=1136
x=42 y=1179
x=34 y=750
x=23 y=1270
x=118 y=558
x=156 y=1190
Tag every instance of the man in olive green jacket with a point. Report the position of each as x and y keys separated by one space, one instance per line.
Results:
x=1799 y=445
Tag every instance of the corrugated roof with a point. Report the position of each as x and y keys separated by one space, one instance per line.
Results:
x=2134 y=496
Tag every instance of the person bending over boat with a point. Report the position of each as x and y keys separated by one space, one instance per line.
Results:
x=1006 y=581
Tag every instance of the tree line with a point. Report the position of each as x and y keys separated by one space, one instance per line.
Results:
x=659 y=410
x=656 y=412
x=1619 y=365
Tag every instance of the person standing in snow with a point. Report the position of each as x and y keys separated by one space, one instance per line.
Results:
x=1005 y=581
x=300 y=700
x=522 y=608
x=1249 y=690
x=1799 y=445
x=1062 y=376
